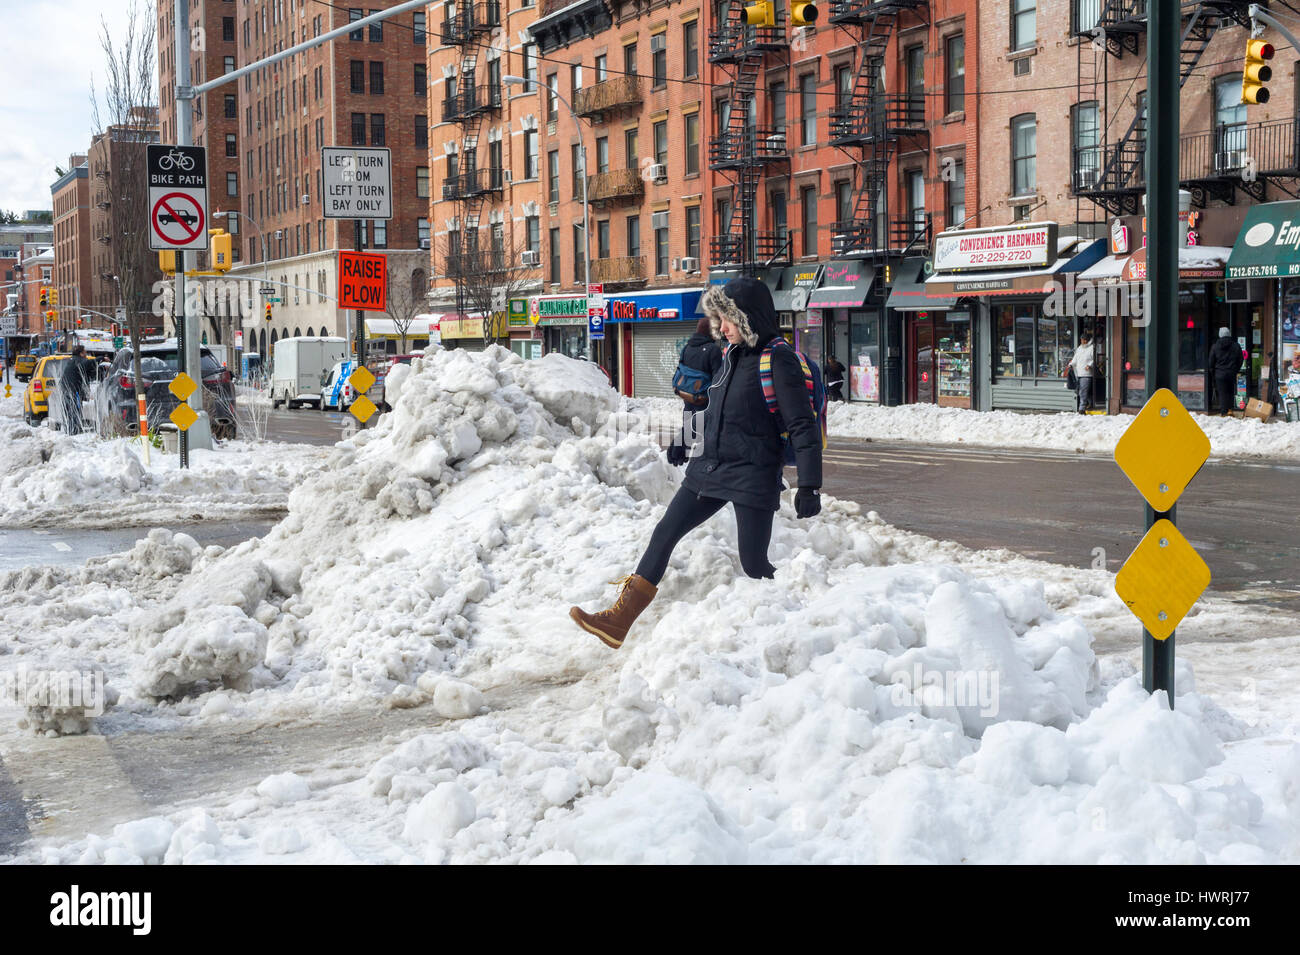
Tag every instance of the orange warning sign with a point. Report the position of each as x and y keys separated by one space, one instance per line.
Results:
x=363 y=281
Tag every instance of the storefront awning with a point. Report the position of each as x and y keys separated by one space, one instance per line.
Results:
x=462 y=326
x=845 y=284
x=1268 y=245
x=796 y=286
x=908 y=294
x=1196 y=263
x=388 y=328
x=1019 y=281
x=661 y=305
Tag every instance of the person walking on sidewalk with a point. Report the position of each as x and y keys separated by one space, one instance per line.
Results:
x=834 y=378
x=701 y=353
x=1225 y=362
x=1085 y=366
x=740 y=459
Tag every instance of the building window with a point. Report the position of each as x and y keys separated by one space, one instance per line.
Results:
x=1024 y=28
x=419 y=26
x=808 y=201
x=602 y=68
x=808 y=109
x=530 y=67
x=533 y=233
x=602 y=239
x=576 y=164
x=659 y=61
x=602 y=155
x=555 y=256
x=843 y=200
x=1085 y=134
x=1229 y=121
x=353 y=15
x=553 y=175
x=552 y=96
x=1030 y=344
x=422 y=230
x=661 y=141
x=377 y=30
x=376 y=77
x=776 y=201
x=661 y=242
x=634 y=237
x=575 y=81
x=579 y=254
x=421 y=80
x=232 y=107
x=232 y=145
x=691 y=48
x=776 y=97
x=915 y=202
x=228 y=29
x=954 y=90
x=381 y=234
x=422 y=182
x=232 y=183
x=453 y=167
x=630 y=148
x=358 y=129
x=228 y=64
x=693 y=231
x=843 y=87
x=957 y=196
x=692 y=144
x=1024 y=151
x=358 y=84
x=422 y=132
x=377 y=129
x=629 y=59
x=530 y=154
x=1086 y=13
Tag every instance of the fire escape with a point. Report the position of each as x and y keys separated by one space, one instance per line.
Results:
x=742 y=149
x=468 y=104
x=873 y=124
x=1110 y=177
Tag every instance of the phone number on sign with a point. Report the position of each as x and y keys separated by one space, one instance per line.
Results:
x=1000 y=258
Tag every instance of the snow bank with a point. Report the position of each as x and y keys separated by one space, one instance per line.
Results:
x=930 y=424
x=52 y=479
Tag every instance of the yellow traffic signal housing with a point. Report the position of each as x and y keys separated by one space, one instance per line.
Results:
x=54 y=297
x=1257 y=72
x=50 y=316
x=803 y=14
x=45 y=296
x=268 y=311
x=167 y=262
x=220 y=250
x=760 y=14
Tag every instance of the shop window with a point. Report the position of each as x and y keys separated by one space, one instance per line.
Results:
x=1030 y=344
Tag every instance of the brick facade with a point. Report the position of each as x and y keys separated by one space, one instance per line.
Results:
x=72 y=260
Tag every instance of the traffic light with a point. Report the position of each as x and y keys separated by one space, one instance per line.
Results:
x=167 y=262
x=803 y=14
x=79 y=322
x=268 y=311
x=1257 y=72
x=50 y=316
x=54 y=297
x=220 y=250
x=45 y=296
x=760 y=14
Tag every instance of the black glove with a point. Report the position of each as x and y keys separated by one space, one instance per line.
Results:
x=808 y=502
x=676 y=455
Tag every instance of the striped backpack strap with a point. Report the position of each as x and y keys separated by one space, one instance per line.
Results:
x=765 y=374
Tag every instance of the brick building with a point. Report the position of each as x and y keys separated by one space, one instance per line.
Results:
x=72 y=265
x=483 y=155
x=19 y=242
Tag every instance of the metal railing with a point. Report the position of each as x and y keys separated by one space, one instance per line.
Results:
x=607 y=95
x=471 y=100
x=474 y=182
x=877 y=117
x=470 y=20
x=628 y=268
x=759 y=143
x=476 y=262
x=616 y=184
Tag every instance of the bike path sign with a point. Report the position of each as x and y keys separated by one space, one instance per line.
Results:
x=178 y=197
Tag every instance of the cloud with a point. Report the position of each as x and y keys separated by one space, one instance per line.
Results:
x=49 y=50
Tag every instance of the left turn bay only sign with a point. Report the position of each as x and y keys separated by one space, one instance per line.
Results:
x=178 y=198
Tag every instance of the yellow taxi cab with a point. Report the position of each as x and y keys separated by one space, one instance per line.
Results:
x=35 y=403
x=24 y=365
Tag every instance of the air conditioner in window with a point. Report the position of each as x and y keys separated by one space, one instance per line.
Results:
x=424 y=244
x=657 y=172
x=1228 y=160
x=509 y=176
x=658 y=42
x=690 y=264
x=1086 y=178
x=306 y=199
x=530 y=258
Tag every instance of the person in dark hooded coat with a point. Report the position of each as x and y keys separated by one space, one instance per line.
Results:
x=702 y=353
x=740 y=457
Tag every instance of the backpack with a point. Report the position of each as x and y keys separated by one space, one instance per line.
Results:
x=691 y=384
x=812 y=375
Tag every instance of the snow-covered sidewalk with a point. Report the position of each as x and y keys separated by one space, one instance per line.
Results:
x=930 y=424
x=886 y=698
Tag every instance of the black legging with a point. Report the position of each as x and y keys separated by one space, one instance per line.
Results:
x=688 y=511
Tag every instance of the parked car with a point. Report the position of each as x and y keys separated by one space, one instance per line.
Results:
x=36 y=405
x=115 y=404
x=24 y=365
x=335 y=394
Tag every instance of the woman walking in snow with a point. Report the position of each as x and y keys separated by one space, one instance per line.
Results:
x=740 y=458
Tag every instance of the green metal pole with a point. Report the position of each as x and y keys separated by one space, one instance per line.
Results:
x=1163 y=41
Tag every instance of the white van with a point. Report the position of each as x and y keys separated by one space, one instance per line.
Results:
x=297 y=365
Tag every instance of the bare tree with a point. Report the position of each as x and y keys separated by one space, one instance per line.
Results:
x=487 y=279
x=125 y=110
x=407 y=289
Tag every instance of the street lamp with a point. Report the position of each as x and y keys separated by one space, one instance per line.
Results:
x=586 y=232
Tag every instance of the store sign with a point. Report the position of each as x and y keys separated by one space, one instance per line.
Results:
x=624 y=311
x=1028 y=246
x=517 y=313
x=1119 y=239
x=1269 y=243
x=566 y=307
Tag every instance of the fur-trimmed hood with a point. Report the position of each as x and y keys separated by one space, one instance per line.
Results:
x=747 y=304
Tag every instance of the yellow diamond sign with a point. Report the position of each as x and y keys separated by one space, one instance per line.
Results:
x=361 y=380
x=183 y=417
x=1162 y=579
x=363 y=408
x=1161 y=451
x=182 y=387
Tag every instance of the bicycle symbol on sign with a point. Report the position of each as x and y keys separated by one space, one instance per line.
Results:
x=175 y=159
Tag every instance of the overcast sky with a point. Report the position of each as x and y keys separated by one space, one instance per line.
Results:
x=49 y=50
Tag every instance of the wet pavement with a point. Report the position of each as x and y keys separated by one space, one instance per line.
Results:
x=21 y=548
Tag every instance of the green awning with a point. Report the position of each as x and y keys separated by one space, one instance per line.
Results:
x=1268 y=246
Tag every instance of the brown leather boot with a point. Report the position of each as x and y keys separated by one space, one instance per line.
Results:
x=612 y=625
